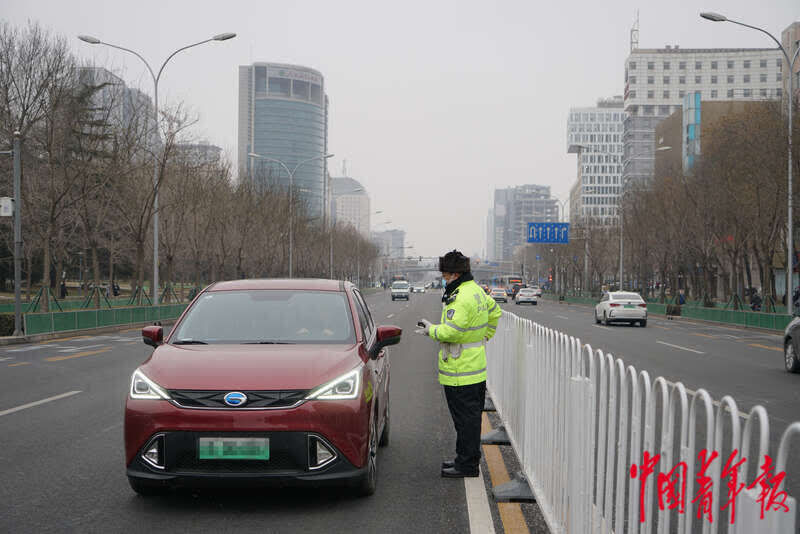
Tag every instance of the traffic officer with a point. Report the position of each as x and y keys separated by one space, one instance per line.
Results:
x=469 y=320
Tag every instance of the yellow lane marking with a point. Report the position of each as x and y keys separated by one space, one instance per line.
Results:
x=778 y=349
x=703 y=335
x=77 y=355
x=62 y=339
x=18 y=364
x=510 y=512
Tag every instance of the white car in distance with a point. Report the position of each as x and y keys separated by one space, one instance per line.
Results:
x=419 y=288
x=536 y=291
x=526 y=294
x=400 y=290
x=621 y=306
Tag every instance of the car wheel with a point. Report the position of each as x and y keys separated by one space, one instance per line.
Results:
x=144 y=489
x=790 y=357
x=534 y=303
x=384 y=441
x=643 y=324
x=369 y=482
x=605 y=319
x=596 y=320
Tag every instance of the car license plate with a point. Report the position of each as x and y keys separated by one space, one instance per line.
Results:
x=233 y=449
x=630 y=306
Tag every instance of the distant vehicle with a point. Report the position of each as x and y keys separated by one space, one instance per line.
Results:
x=791 y=346
x=621 y=306
x=525 y=295
x=419 y=288
x=400 y=290
x=537 y=290
x=499 y=294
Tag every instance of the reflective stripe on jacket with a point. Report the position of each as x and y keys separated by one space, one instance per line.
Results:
x=467 y=321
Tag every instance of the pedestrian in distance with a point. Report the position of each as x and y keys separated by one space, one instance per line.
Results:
x=469 y=319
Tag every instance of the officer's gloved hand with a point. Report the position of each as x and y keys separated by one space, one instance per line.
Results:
x=424 y=327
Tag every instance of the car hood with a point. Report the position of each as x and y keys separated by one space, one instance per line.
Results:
x=253 y=367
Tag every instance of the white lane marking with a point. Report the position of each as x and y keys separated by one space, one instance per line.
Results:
x=112 y=427
x=679 y=347
x=82 y=347
x=480 y=517
x=691 y=392
x=37 y=403
x=34 y=347
x=562 y=317
x=390 y=316
x=6 y=358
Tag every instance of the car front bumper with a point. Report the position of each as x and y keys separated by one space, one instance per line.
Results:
x=287 y=466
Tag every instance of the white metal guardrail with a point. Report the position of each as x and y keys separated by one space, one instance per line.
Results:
x=581 y=421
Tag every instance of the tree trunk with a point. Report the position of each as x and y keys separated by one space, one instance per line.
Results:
x=45 y=300
x=140 y=268
x=95 y=272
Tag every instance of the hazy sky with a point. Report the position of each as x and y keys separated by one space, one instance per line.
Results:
x=433 y=103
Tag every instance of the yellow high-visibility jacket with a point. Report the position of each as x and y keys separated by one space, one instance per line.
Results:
x=469 y=319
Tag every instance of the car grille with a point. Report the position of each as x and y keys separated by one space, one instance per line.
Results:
x=288 y=453
x=188 y=398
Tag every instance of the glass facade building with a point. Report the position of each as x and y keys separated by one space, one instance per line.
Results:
x=283 y=114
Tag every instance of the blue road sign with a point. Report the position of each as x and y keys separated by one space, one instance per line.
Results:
x=538 y=257
x=548 y=232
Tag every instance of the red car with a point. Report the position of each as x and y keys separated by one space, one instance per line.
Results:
x=260 y=382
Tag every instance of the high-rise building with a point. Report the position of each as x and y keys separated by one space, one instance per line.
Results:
x=514 y=208
x=283 y=114
x=391 y=243
x=657 y=80
x=595 y=134
x=350 y=204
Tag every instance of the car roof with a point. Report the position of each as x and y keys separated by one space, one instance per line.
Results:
x=303 y=284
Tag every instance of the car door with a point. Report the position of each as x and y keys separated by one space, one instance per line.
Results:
x=378 y=365
x=600 y=308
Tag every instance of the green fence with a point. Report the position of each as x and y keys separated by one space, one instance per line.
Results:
x=769 y=321
x=42 y=323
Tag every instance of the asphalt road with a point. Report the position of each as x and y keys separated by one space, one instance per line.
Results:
x=62 y=462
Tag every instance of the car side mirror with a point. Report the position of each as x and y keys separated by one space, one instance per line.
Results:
x=385 y=336
x=153 y=335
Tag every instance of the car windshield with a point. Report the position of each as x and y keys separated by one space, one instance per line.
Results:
x=267 y=316
x=400 y=285
x=526 y=292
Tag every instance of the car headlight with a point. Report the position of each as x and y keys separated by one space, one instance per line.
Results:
x=145 y=389
x=344 y=387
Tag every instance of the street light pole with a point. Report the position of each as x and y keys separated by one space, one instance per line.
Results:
x=16 y=153
x=716 y=17
x=291 y=196
x=156 y=77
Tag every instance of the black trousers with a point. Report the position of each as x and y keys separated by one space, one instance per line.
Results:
x=466 y=406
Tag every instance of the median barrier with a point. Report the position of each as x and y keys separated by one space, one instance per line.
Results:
x=42 y=323
x=604 y=448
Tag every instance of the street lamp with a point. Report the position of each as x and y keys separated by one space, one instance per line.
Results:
x=16 y=154
x=291 y=188
x=716 y=17
x=156 y=77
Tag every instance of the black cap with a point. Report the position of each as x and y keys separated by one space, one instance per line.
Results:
x=454 y=262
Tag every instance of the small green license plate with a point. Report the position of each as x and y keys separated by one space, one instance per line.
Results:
x=233 y=449
x=630 y=306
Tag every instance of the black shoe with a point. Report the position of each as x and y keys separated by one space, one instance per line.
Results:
x=452 y=472
x=447 y=464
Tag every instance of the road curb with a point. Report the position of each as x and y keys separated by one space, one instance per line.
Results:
x=18 y=340
x=689 y=320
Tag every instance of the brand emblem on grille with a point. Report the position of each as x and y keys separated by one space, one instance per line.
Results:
x=235 y=398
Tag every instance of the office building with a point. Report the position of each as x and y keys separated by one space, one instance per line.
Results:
x=595 y=135
x=657 y=80
x=283 y=114
x=350 y=204
x=514 y=208
x=390 y=243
